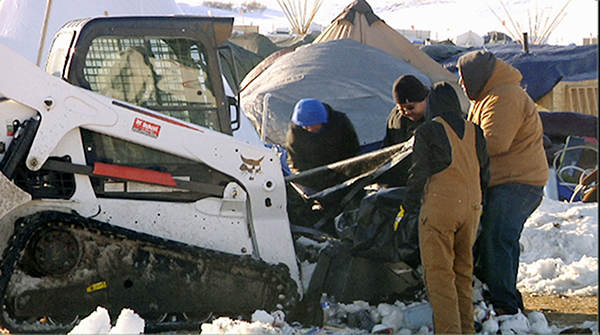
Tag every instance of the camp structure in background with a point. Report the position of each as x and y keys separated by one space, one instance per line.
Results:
x=358 y=83
x=557 y=77
x=360 y=23
x=299 y=14
x=469 y=39
x=350 y=76
x=250 y=49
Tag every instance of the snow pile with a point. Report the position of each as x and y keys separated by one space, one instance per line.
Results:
x=262 y=323
x=99 y=323
x=560 y=250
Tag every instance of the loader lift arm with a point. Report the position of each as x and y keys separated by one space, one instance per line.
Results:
x=127 y=154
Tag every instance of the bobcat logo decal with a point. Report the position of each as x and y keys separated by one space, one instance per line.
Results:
x=251 y=166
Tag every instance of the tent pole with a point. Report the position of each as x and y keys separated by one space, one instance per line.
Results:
x=263 y=130
x=44 y=32
x=525 y=43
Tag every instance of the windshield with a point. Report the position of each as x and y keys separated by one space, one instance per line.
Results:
x=168 y=75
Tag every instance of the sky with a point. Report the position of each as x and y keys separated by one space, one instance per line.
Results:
x=446 y=19
x=559 y=256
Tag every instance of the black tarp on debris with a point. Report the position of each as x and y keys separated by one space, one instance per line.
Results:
x=338 y=187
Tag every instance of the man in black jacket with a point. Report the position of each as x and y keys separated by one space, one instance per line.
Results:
x=410 y=96
x=319 y=135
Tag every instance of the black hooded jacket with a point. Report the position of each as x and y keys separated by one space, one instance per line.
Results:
x=432 y=152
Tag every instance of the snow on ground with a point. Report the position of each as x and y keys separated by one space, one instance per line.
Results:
x=560 y=250
x=559 y=256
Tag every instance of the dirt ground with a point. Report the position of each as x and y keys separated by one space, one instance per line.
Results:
x=563 y=311
x=560 y=311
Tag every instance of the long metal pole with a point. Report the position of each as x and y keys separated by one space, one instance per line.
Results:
x=263 y=130
x=44 y=32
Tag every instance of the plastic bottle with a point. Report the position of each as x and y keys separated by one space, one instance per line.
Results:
x=329 y=307
x=418 y=315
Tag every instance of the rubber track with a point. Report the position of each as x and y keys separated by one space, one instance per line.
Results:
x=25 y=228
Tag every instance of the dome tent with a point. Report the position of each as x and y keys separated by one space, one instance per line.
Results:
x=350 y=76
x=469 y=39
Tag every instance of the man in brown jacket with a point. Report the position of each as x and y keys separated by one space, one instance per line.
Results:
x=450 y=172
x=518 y=168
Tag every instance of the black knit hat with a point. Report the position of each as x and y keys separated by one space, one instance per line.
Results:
x=409 y=89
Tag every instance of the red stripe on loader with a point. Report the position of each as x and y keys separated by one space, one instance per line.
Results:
x=131 y=173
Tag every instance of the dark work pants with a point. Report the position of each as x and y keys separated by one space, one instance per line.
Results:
x=497 y=248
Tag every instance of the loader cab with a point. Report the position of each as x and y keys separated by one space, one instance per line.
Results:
x=168 y=64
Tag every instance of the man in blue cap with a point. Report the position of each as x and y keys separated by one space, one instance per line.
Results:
x=319 y=135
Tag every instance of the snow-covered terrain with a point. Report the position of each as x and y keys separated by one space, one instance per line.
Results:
x=445 y=19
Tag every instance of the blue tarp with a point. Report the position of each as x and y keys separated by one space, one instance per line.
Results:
x=542 y=67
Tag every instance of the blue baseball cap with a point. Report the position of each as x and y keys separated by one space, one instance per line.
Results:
x=309 y=112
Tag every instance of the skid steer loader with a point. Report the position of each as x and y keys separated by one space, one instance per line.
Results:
x=125 y=183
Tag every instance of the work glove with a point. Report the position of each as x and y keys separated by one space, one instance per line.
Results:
x=399 y=218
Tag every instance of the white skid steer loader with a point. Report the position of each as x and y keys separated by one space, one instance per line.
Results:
x=126 y=184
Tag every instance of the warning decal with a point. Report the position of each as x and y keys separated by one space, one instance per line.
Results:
x=146 y=128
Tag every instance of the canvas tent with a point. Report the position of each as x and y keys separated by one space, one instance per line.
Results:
x=266 y=45
x=243 y=62
x=469 y=39
x=256 y=43
x=348 y=75
x=251 y=49
x=360 y=23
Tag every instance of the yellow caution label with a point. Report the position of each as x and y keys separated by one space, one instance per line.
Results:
x=96 y=287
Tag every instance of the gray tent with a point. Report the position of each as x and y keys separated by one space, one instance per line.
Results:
x=350 y=76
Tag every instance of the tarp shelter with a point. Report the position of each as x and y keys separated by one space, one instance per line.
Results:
x=256 y=43
x=496 y=37
x=266 y=45
x=244 y=62
x=251 y=49
x=360 y=23
x=469 y=39
x=350 y=76
x=544 y=65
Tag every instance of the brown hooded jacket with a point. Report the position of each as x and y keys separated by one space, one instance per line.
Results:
x=510 y=122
